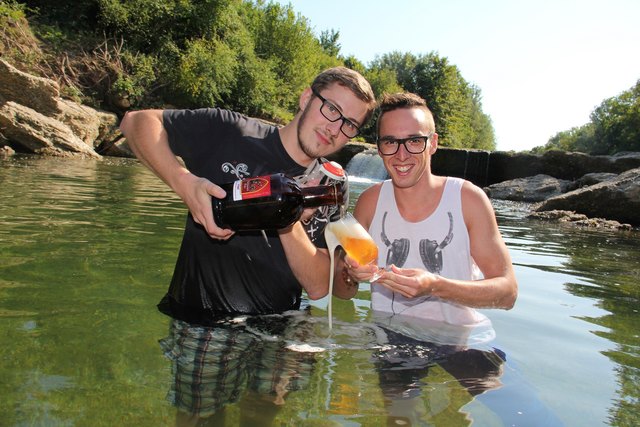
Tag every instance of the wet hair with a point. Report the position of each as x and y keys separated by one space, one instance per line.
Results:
x=350 y=79
x=395 y=101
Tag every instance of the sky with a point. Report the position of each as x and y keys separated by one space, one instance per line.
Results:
x=542 y=66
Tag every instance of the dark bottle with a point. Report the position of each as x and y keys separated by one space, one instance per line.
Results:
x=269 y=202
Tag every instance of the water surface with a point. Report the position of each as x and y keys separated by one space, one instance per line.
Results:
x=87 y=248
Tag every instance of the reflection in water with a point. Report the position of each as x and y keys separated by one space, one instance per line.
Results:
x=412 y=371
x=258 y=365
x=87 y=248
x=593 y=265
x=244 y=360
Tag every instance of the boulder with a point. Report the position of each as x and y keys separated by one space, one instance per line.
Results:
x=615 y=199
x=82 y=120
x=579 y=219
x=42 y=96
x=595 y=178
x=37 y=93
x=530 y=189
x=6 y=151
x=116 y=148
x=40 y=134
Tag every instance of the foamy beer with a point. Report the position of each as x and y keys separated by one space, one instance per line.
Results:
x=357 y=243
x=354 y=239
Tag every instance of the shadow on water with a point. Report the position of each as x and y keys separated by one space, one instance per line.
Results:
x=87 y=249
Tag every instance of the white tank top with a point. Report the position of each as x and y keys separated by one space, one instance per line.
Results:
x=439 y=244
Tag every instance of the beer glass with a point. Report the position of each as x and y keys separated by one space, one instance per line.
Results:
x=354 y=239
x=357 y=243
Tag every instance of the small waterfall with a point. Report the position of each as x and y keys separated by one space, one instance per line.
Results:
x=367 y=164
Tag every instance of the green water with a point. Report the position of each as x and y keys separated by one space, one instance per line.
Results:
x=87 y=248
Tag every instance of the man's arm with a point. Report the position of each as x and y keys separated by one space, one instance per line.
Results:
x=149 y=141
x=311 y=265
x=499 y=288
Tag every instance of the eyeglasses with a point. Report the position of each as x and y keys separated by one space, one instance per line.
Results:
x=331 y=113
x=413 y=144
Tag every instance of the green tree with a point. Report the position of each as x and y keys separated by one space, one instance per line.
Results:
x=400 y=63
x=205 y=73
x=614 y=127
x=329 y=42
x=616 y=123
x=482 y=128
x=455 y=104
x=579 y=138
x=287 y=42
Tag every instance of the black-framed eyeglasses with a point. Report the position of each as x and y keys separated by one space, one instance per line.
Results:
x=331 y=113
x=413 y=144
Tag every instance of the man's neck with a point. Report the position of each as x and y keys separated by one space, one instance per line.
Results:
x=289 y=138
x=417 y=202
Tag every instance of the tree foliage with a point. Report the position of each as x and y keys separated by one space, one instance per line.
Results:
x=329 y=42
x=456 y=105
x=614 y=126
x=251 y=56
x=616 y=123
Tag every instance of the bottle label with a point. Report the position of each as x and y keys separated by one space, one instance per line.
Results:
x=250 y=188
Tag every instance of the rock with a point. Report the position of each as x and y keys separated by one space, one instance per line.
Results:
x=579 y=219
x=82 y=120
x=37 y=93
x=595 y=178
x=6 y=151
x=616 y=199
x=531 y=189
x=42 y=95
x=109 y=128
x=116 y=148
x=40 y=134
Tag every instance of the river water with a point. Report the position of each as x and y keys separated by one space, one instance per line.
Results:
x=87 y=248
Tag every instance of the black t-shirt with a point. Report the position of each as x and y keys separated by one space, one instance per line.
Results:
x=249 y=273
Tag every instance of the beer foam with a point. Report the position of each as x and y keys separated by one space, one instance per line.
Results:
x=305 y=348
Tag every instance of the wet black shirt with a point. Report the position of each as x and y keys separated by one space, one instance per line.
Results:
x=247 y=274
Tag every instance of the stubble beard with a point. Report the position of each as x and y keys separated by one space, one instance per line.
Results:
x=309 y=149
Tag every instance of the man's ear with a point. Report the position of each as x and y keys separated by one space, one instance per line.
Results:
x=433 y=143
x=305 y=98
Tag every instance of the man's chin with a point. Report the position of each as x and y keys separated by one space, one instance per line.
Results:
x=317 y=151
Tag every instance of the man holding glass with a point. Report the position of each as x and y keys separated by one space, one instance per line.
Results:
x=435 y=234
x=440 y=256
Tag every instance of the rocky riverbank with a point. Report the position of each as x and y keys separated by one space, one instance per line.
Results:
x=574 y=187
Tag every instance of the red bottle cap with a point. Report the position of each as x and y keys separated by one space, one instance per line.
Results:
x=333 y=170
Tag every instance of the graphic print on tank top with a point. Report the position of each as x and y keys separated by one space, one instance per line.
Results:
x=430 y=250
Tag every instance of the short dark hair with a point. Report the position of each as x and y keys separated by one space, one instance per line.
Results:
x=395 y=101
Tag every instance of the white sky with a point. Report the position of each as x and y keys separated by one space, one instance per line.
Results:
x=542 y=66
